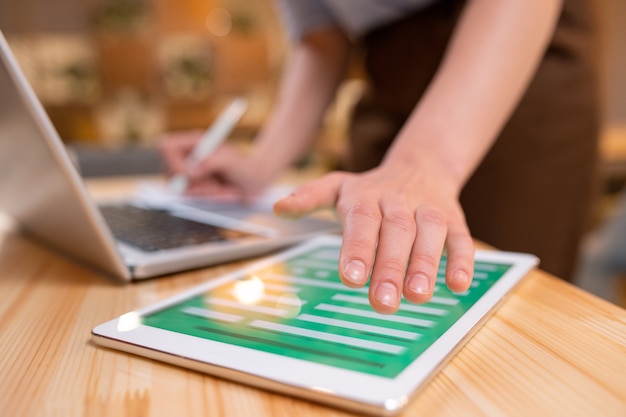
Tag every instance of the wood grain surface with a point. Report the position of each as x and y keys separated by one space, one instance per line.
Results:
x=550 y=350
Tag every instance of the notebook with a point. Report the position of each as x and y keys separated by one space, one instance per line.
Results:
x=288 y=324
x=139 y=238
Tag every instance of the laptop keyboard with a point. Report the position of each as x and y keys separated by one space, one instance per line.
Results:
x=152 y=230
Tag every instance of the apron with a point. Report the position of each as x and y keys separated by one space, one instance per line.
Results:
x=534 y=190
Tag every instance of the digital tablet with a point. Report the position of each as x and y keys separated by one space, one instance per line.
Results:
x=288 y=324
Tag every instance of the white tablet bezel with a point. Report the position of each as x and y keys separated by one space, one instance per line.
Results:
x=340 y=387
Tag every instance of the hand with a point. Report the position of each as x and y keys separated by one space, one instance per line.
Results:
x=397 y=221
x=227 y=172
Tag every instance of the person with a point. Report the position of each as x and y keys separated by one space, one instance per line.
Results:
x=479 y=122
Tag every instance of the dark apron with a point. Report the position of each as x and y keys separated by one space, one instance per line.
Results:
x=534 y=190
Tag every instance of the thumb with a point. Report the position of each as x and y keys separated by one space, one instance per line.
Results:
x=315 y=195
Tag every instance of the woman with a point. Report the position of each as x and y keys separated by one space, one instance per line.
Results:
x=479 y=121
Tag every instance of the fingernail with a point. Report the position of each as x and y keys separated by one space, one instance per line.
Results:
x=387 y=294
x=460 y=277
x=354 y=272
x=419 y=284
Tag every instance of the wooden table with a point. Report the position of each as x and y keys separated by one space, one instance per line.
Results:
x=550 y=350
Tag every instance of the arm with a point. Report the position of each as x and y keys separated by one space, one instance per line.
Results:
x=491 y=59
x=314 y=70
x=406 y=211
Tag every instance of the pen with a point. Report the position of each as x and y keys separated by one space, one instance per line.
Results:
x=210 y=140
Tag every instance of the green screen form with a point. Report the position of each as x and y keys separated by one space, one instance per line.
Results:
x=299 y=308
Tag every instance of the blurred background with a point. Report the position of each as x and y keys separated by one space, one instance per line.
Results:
x=114 y=75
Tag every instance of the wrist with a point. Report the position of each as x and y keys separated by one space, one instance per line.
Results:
x=431 y=166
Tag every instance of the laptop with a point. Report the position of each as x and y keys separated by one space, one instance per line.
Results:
x=132 y=239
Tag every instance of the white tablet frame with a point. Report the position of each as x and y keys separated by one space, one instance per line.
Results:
x=343 y=388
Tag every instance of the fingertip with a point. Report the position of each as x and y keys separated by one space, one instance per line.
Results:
x=460 y=268
x=286 y=207
x=317 y=194
x=418 y=288
x=354 y=273
x=385 y=298
x=458 y=280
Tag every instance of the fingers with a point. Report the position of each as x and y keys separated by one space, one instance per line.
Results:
x=408 y=255
x=217 y=190
x=423 y=265
x=391 y=240
x=226 y=174
x=315 y=195
x=174 y=149
x=396 y=237
x=361 y=226
x=361 y=223
x=460 y=267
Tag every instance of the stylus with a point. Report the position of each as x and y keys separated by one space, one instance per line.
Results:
x=210 y=140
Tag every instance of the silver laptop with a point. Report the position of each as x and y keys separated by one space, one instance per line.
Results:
x=43 y=191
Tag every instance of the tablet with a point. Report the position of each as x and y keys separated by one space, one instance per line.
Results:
x=288 y=324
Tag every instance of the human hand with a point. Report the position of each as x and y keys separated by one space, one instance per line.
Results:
x=397 y=222
x=228 y=172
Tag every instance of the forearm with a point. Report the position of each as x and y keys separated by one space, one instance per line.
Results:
x=490 y=61
x=314 y=71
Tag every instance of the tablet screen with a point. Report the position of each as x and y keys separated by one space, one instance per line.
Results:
x=297 y=307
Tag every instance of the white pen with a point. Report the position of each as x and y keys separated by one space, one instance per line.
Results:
x=210 y=140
